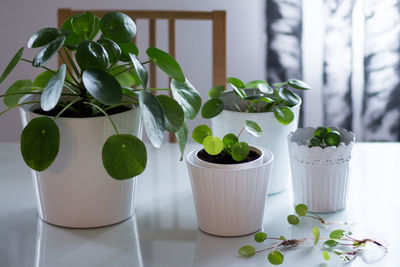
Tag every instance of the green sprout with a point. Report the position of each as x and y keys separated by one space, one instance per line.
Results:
x=302 y=211
x=324 y=137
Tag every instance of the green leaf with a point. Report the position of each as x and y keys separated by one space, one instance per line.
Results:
x=240 y=151
x=130 y=93
x=247 y=251
x=283 y=114
x=316 y=233
x=325 y=255
x=40 y=142
x=212 y=108
x=124 y=156
x=18 y=86
x=275 y=257
x=52 y=92
x=229 y=140
x=47 y=52
x=288 y=97
x=102 y=86
x=314 y=142
x=329 y=244
x=173 y=113
x=237 y=86
x=118 y=27
x=301 y=209
x=42 y=79
x=282 y=238
x=125 y=77
x=267 y=100
x=321 y=133
x=72 y=40
x=91 y=55
x=84 y=25
x=126 y=49
x=153 y=117
x=333 y=138
x=181 y=137
x=112 y=48
x=213 y=145
x=187 y=96
x=216 y=91
x=298 y=84
x=260 y=237
x=166 y=63
x=253 y=128
x=293 y=219
x=254 y=84
x=263 y=86
x=201 y=132
x=337 y=234
x=140 y=70
x=43 y=37
x=12 y=64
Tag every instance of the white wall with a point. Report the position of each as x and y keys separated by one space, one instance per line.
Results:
x=245 y=40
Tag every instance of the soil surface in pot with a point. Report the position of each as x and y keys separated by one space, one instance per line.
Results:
x=84 y=113
x=223 y=158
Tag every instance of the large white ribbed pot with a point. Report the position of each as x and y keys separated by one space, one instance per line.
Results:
x=230 y=202
x=76 y=191
x=320 y=176
x=274 y=137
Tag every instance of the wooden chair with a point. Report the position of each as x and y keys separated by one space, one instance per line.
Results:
x=218 y=19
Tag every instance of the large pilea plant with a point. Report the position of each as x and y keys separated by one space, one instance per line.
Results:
x=98 y=78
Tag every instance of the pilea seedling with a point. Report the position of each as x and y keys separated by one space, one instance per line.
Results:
x=277 y=98
x=324 y=137
x=339 y=243
x=302 y=211
x=229 y=146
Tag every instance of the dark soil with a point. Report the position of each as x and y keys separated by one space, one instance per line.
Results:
x=83 y=113
x=223 y=158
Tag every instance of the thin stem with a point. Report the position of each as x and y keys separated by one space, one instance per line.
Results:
x=69 y=71
x=33 y=93
x=27 y=60
x=66 y=107
x=148 y=61
x=18 y=105
x=115 y=106
x=115 y=67
x=153 y=89
x=105 y=114
x=240 y=132
x=72 y=63
x=125 y=70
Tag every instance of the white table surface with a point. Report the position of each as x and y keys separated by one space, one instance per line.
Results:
x=164 y=230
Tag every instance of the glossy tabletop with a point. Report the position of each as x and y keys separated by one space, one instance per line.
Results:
x=164 y=230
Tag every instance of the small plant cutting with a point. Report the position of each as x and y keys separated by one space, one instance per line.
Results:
x=96 y=79
x=340 y=242
x=277 y=98
x=302 y=211
x=324 y=137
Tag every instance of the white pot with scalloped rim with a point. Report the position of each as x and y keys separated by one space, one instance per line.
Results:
x=76 y=191
x=320 y=176
x=230 y=201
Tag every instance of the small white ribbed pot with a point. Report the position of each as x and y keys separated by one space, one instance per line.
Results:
x=320 y=176
x=230 y=202
x=76 y=191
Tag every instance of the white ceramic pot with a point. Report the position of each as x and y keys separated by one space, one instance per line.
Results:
x=76 y=191
x=230 y=202
x=274 y=137
x=320 y=176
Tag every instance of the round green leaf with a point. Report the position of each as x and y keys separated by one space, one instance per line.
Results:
x=325 y=255
x=288 y=97
x=333 y=138
x=140 y=70
x=240 y=151
x=102 y=86
x=247 y=251
x=229 y=140
x=237 y=86
x=216 y=91
x=91 y=55
x=18 y=86
x=337 y=234
x=253 y=128
x=316 y=233
x=166 y=63
x=40 y=142
x=126 y=49
x=260 y=237
x=14 y=61
x=113 y=50
x=124 y=156
x=201 y=132
x=125 y=77
x=283 y=114
x=321 y=132
x=298 y=84
x=329 y=244
x=293 y=219
x=254 y=84
x=213 y=145
x=52 y=92
x=301 y=209
x=48 y=51
x=43 y=37
x=129 y=92
x=275 y=257
x=153 y=117
x=118 y=27
x=314 y=142
x=187 y=96
x=282 y=238
x=212 y=108
x=173 y=113
x=181 y=137
x=72 y=40
x=84 y=25
x=42 y=79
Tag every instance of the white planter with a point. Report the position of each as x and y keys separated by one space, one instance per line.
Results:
x=274 y=137
x=230 y=202
x=76 y=191
x=320 y=176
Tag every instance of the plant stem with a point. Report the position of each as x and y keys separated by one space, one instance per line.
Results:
x=148 y=61
x=69 y=71
x=240 y=132
x=115 y=106
x=43 y=67
x=66 y=107
x=105 y=114
x=34 y=93
x=153 y=89
x=72 y=63
x=125 y=70
x=18 y=105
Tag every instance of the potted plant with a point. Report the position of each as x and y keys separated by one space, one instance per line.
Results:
x=274 y=107
x=83 y=121
x=319 y=159
x=229 y=181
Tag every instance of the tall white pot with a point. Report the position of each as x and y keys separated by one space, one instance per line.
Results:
x=274 y=137
x=76 y=191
